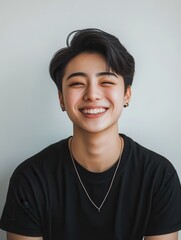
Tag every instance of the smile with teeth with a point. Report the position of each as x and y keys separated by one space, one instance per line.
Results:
x=94 y=111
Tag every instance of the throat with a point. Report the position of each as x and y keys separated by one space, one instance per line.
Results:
x=96 y=157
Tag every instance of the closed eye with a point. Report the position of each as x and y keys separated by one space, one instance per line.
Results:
x=76 y=84
x=108 y=83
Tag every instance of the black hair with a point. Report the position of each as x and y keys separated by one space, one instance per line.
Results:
x=118 y=59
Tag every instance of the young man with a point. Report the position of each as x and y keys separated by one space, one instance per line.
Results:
x=96 y=184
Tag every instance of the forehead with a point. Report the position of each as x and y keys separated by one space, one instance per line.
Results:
x=87 y=62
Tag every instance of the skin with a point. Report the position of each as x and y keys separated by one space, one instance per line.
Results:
x=88 y=87
x=171 y=236
x=12 y=236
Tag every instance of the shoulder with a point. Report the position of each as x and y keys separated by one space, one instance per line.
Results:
x=153 y=174
x=148 y=162
x=43 y=163
x=145 y=154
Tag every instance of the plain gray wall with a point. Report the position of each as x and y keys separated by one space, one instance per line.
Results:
x=31 y=31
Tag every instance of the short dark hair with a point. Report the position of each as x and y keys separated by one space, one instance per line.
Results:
x=118 y=59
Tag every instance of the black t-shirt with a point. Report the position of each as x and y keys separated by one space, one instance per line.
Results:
x=45 y=197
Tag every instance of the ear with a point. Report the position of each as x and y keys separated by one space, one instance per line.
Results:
x=127 y=95
x=61 y=100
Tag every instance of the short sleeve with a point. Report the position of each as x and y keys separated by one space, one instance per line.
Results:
x=20 y=214
x=165 y=214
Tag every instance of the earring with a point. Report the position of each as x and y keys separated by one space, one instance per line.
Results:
x=63 y=108
x=126 y=105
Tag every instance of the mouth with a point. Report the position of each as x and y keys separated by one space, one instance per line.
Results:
x=93 y=111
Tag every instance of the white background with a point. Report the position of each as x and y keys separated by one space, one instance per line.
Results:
x=30 y=33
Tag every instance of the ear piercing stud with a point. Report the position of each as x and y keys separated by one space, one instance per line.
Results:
x=63 y=108
x=126 y=105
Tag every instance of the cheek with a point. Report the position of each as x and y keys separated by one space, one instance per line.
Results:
x=116 y=96
x=71 y=98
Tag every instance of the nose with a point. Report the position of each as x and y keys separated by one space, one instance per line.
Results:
x=92 y=93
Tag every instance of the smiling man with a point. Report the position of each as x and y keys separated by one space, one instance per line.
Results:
x=97 y=183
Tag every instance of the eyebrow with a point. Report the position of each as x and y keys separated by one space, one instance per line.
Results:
x=82 y=74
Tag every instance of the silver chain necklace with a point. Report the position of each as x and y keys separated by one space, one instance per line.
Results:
x=110 y=186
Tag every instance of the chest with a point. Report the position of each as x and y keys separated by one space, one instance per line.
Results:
x=74 y=216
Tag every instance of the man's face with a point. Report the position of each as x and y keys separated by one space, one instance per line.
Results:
x=92 y=95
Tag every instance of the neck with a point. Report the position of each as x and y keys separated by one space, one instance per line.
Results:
x=95 y=151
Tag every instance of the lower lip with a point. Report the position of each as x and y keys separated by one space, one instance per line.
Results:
x=93 y=115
